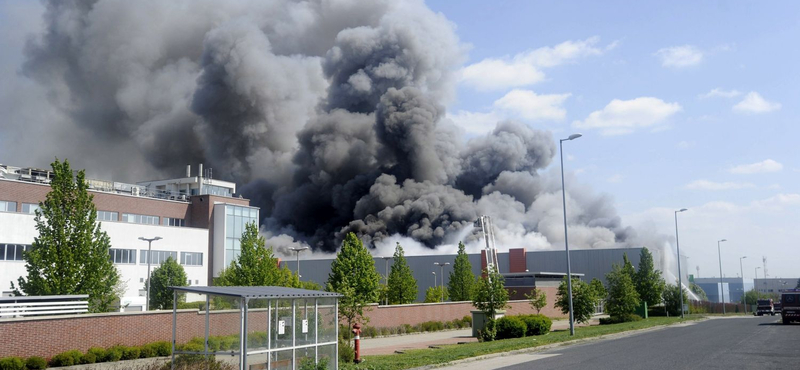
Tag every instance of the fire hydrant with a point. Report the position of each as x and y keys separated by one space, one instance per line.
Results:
x=357 y=340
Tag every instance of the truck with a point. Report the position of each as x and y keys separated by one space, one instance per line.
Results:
x=790 y=302
x=765 y=307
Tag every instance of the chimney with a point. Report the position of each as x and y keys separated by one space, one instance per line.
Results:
x=200 y=170
x=188 y=170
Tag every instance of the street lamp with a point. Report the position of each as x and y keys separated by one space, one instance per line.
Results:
x=678 y=246
x=434 y=278
x=441 y=273
x=149 y=258
x=297 y=250
x=386 y=260
x=721 y=287
x=744 y=296
x=566 y=241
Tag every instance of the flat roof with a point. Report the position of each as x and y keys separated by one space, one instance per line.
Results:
x=257 y=291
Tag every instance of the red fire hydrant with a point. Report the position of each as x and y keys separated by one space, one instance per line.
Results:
x=357 y=340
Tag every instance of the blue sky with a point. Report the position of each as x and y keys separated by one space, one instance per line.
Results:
x=705 y=116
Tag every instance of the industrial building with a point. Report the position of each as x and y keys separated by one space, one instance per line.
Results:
x=200 y=221
x=731 y=289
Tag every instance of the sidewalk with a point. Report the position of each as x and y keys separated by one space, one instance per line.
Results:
x=388 y=345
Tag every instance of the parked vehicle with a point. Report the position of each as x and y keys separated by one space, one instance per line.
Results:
x=778 y=307
x=765 y=307
x=790 y=301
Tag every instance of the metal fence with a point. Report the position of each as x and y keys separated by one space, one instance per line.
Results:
x=11 y=307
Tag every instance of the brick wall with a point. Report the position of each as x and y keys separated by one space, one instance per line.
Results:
x=516 y=260
x=49 y=336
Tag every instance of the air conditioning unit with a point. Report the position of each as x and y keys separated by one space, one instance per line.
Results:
x=135 y=191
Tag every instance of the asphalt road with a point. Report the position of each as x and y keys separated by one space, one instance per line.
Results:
x=723 y=343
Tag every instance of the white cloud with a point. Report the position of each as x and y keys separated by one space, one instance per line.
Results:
x=524 y=68
x=764 y=166
x=710 y=185
x=683 y=145
x=754 y=103
x=718 y=92
x=625 y=116
x=778 y=201
x=616 y=179
x=531 y=106
x=680 y=56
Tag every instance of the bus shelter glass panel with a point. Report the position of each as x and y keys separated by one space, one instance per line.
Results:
x=327 y=355
x=282 y=360
x=306 y=358
x=327 y=316
x=257 y=322
x=282 y=324
x=305 y=323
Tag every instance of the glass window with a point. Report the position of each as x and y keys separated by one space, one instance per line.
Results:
x=13 y=252
x=140 y=219
x=7 y=206
x=158 y=257
x=2 y=252
x=191 y=258
x=29 y=208
x=122 y=255
x=107 y=216
x=177 y=222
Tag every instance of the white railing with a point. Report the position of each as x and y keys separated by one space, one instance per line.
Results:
x=11 y=307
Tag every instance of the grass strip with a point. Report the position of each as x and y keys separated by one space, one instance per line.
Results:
x=421 y=357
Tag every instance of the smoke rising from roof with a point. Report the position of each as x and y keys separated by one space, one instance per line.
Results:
x=329 y=114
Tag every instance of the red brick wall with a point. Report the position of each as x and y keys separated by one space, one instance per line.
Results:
x=516 y=260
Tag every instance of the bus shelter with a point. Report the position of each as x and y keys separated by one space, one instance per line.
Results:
x=268 y=327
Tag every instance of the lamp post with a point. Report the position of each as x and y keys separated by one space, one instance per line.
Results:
x=566 y=240
x=386 y=263
x=297 y=251
x=721 y=287
x=149 y=259
x=678 y=247
x=434 y=278
x=441 y=273
x=744 y=292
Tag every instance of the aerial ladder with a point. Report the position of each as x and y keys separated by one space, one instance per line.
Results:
x=487 y=228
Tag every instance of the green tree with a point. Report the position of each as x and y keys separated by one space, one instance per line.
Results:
x=402 y=286
x=622 y=296
x=672 y=299
x=599 y=289
x=698 y=291
x=490 y=295
x=70 y=255
x=435 y=294
x=649 y=283
x=583 y=300
x=627 y=267
x=537 y=298
x=353 y=275
x=256 y=265
x=169 y=273
x=462 y=280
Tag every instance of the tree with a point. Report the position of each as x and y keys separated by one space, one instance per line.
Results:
x=70 y=255
x=169 y=273
x=583 y=300
x=256 y=265
x=401 y=285
x=599 y=289
x=622 y=296
x=698 y=291
x=672 y=299
x=462 y=280
x=490 y=296
x=537 y=299
x=435 y=294
x=627 y=267
x=798 y=284
x=353 y=275
x=648 y=280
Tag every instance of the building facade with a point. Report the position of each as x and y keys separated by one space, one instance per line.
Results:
x=200 y=221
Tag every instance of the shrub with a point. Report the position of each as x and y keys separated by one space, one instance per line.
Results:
x=162 y=348
x=620 y=319
x=193 y=362
x=467 y=320
x=537 y=324
x=130 y=353
x=12 y=363
x=369 y=332
x=199 y=305
x=431 y=326
x=257 y=339
x=227 y=343
x=35 y=363
x=98 y=353
x=145 y=351
x=67 y=358
x=113 y=354
x=511 y=327
x=346 y=352
x=214 y=343
x=88 y=358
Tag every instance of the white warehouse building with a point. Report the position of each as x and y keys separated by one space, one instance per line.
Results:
x=199 y=219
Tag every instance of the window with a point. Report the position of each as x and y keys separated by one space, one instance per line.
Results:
x=140 y=219
x=158 y=257
x=6 y=206
x=13 y=252
x=122 y=255
x=236 y=217
x=29 y=208
x=179 y=222
x=191 y=259
x=107 y=216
